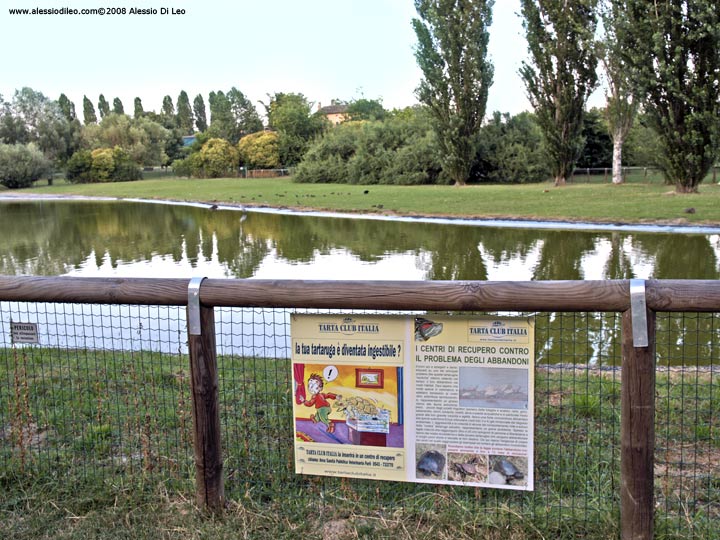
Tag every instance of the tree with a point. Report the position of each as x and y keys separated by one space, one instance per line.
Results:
x=244 y=113
x=21 y=165
x=290 y=114
x=598 y=148
x=102 y=165
x=562 y=75
x=103 y=107
x=452 y=54
x=260 y=150
x=200 y=113
x=32 y=117
x=184 y=116
x=89 y=116
x=366 y=109
x=511 y=150
x=168 y=109
x=673 y=49
x=622 y=106
x=118 y=106
x=217 y=158
x=232 y=116
x=142 y=139
x=67 y=107
x=138 y=111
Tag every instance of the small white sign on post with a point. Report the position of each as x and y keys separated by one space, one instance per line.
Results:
x=24 y=333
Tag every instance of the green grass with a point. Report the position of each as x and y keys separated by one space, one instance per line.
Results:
x=629 y=203
x=96 y=444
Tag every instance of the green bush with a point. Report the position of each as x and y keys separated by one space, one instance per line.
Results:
x=511 y=150
x=398 y=150
x=102 y=165
x=260 y=150
x=78 y=167
x=21 y=165
x=217 y=158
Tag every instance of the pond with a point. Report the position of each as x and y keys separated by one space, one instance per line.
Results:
x=141 y=240
x=133 y=239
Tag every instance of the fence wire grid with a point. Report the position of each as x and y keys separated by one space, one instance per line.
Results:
x=106 y=396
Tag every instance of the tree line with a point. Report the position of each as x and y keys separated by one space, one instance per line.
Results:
x=661 y=62
x=662 y=58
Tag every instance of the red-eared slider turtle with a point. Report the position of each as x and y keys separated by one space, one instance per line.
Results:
x=425 y=329
x=508 y=470
x=431 y=462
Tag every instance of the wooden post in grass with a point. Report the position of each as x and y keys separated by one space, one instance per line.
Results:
x=209 y=489
x=637 y=432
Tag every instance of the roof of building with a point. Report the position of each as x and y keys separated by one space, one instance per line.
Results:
x=333 y=109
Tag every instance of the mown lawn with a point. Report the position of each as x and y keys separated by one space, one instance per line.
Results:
x=628 y=203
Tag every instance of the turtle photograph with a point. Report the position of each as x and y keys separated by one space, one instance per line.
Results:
x=467 y=467
x=508 y=470
x=430 y=461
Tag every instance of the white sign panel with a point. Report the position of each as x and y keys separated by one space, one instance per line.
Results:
x=24 y=333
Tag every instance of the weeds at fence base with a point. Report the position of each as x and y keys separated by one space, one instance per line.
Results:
x=106 y=453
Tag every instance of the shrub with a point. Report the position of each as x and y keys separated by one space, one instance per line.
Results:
x=217 y=158
x=260 y=150
x=78 y=167
x=399 y=150
x=102 y=165
x=21 y=165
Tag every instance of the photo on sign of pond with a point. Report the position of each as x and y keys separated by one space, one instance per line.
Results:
x=493 y=388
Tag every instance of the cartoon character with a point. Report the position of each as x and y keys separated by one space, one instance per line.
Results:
x=320 y=401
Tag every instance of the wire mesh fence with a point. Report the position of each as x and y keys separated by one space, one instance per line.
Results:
x=106 y=395
x=631 y=175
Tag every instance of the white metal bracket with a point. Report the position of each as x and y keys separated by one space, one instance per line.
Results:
x=194 y=327
x=639 y=313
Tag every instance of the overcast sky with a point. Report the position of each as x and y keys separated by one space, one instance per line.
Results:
x=323 y=49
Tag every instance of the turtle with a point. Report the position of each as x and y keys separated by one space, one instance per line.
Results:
x=508 y=470
x=431 y=462
x=465 y=469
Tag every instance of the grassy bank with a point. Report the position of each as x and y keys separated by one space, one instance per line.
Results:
x=95 y=444
x=628 y=203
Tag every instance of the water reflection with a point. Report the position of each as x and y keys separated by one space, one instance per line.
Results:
x=136 y=239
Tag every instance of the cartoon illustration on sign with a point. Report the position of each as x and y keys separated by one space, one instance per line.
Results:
x=320 y=401
x=361 y=406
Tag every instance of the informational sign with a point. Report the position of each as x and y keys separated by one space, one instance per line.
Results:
x=24 y=333
x=435 y=399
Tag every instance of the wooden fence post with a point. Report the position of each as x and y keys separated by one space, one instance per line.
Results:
x=209 y=489
x=637 y=431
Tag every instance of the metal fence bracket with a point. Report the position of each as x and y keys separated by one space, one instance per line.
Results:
x=194 y=326
x=639 y=313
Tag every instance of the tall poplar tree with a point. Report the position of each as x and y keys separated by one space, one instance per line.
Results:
x=561 y=74
x=89 y=116
x=200 y=113
x=103 y=107
x=67 y=107
x=118 y=106
x=452 y=54
x=673 y=47
x=184 y=114
x=622 y=105
x=138 y=111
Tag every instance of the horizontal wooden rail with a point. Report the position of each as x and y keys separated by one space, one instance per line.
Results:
x=608 y=295
x=391 y=295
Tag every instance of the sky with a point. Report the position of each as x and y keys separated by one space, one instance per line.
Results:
x=324 y=49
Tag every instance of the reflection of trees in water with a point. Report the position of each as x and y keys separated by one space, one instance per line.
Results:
x=679 y=256
x=52 y=238
x=47 y=238
x=561 y=255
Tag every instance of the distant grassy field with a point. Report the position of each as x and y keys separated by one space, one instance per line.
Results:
x=598 y=202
